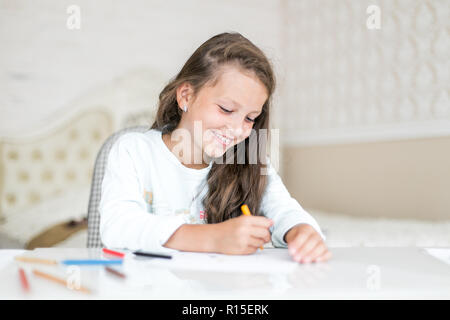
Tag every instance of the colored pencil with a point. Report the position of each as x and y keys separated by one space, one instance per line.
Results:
x=152 y=255
x=91 y=262
x=246 y=212
x=35 y=260
x=115 y=272
x=60 y=281
x=114 y=253
x=24 y=280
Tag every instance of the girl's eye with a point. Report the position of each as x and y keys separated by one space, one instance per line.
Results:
x=225 y=110
x=228 y=111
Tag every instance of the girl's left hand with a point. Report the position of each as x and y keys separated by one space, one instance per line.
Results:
x=306 y=245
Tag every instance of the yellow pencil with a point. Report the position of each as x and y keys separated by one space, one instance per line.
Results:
x=246 y=212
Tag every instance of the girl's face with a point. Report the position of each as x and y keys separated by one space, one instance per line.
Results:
x=225 y=113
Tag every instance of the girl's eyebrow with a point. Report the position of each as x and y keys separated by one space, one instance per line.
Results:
x=239 y=105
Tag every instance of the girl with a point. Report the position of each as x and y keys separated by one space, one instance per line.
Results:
x=174 y=187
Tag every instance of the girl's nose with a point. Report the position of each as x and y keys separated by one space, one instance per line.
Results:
x=234 y=131
x=237 y=127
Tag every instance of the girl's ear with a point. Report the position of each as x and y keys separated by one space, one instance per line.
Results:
x=183 y=93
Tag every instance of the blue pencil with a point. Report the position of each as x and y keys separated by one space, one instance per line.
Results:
x=92 y=262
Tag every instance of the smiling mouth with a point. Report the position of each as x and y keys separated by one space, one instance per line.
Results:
x=225 y=141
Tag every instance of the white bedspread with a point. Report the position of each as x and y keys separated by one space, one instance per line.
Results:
x=340 y=230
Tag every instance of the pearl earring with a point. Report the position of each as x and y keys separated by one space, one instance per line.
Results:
x=185 y=108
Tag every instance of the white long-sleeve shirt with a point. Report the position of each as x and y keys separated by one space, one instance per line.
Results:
x=147 y=194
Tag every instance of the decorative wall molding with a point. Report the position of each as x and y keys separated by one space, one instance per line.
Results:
x=387 y=132
x=348 y=83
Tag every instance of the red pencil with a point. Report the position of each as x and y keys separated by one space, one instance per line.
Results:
x=114 y=253
x=24 y=280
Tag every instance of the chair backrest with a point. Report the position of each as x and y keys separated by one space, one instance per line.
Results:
x=93 y=239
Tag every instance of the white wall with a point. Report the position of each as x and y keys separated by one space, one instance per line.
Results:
x=337 y=80
x=46 y=69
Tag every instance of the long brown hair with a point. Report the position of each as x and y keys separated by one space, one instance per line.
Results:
x=229 y=184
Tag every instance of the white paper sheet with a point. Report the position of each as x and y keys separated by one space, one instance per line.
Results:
x=262 y=261
x=442 y=254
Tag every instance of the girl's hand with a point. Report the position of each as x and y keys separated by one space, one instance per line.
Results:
x=242 y=235
x=306 y=245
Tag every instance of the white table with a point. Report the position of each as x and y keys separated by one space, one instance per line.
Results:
x=352 y=273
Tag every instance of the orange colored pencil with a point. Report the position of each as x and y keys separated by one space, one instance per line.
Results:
x=35 y=260
x=58 y=280
x=246 y=212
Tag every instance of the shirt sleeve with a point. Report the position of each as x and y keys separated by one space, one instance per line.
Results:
x=278 y=205
x=124 y=220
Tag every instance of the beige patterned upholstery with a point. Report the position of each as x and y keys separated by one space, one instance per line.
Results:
x=34 y=169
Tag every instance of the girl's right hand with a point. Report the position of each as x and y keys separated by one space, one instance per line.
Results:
x=243 y=234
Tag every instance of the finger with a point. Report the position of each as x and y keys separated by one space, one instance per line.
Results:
x=262 y=233
x=316 y=252
x=259 y=221
x=325 y=257
x=307 y=246
x=296 y=244
x=256 y=242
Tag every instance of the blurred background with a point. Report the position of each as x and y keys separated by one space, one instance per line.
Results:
x=362 y=106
